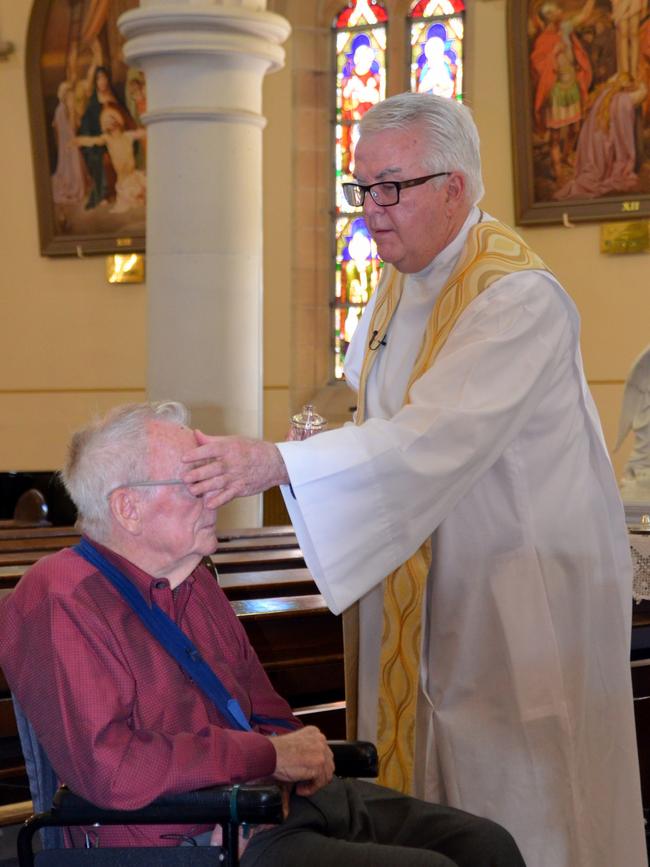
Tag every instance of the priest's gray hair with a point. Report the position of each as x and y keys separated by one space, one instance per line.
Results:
x=109 y=452
x=452 y=133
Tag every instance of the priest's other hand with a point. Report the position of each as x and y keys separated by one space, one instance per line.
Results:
x=230 y=467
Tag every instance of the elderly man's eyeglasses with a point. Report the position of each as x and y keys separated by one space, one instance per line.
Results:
x=385 y=193
x=149 y=484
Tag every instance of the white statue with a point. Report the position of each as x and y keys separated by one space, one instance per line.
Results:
x=635 y=415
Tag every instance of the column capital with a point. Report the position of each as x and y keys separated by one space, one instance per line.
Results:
x=159 y=29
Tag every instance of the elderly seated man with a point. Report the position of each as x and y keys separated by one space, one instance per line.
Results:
x=121 y=721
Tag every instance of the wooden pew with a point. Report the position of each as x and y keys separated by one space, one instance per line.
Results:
x=250 y=550
x=265 y=583
x=300 y=644
x=254 y=584
x=17 y=562
x=241 y=533
x=25 y=546
x=38 y=543
x=11 y=530
x=55 y=543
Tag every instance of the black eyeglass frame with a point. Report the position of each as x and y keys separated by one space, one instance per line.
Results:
x=398 y=185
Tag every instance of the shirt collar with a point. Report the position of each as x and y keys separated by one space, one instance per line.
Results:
x=143 y=580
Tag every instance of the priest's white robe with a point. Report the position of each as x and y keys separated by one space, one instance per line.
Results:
x=527 y=713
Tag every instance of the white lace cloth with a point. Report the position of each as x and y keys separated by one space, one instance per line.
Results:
x=640 y=547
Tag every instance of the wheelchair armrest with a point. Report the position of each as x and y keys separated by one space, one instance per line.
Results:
x=354 y=758
x=217 y=804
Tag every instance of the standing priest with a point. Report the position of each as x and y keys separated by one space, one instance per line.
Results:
x=472 y=510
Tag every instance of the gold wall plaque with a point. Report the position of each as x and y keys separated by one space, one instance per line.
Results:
x=632 y=237
x=125 y=268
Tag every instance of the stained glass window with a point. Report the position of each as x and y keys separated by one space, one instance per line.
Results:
x=360 y=45
x=437 y=28
x=436 y=66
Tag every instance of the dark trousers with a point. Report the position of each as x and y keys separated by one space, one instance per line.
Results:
x=351 y=823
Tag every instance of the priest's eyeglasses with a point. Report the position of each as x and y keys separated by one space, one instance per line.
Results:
x=384 y=193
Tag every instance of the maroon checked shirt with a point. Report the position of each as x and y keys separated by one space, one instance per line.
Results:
x=117 y=716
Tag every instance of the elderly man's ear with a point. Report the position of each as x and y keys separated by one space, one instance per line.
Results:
x=126 y=508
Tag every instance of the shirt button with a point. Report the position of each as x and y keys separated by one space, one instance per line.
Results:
x=160 y=585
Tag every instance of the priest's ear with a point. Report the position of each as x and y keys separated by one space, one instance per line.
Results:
x=456 y=188
x=126 y=509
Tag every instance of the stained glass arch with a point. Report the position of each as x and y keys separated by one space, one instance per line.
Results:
x=436 y=38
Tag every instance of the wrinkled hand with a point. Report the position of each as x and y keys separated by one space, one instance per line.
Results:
x=303 y=757
x=232 y=467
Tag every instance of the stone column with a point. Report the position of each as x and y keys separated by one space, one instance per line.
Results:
x=204 y=64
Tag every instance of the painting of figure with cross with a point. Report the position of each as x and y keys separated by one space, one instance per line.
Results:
x=585 y=115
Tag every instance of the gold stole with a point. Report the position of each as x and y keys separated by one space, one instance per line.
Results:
x=492 y=250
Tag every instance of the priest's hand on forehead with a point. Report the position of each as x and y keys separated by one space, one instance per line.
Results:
x=229 y=467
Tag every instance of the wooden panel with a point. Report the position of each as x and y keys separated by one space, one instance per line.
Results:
x=300 y=644
x=280 y=530
x=641 y=691
x=642 y=720
x=14 y=563
x=54 y=543
x=21 y=558
x=11 y=577
x=236 y=585
x=641 y=678
x=273 y=582
x=329 y=718
x=248 y=560
x=11 y=530
x=278 y=608
x=14 y=814
x=258 y=543
x=7 y=719
x=275 y=512
x=21 y=532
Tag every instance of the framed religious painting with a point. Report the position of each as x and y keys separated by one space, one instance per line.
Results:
x=89 y=145
x=580 y=105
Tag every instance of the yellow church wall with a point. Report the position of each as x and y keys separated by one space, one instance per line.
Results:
x=73 y=344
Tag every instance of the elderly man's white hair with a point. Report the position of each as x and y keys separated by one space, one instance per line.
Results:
x=453 y=137
x=109 y=452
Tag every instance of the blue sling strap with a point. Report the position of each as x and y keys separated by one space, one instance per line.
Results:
x=172 y=638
